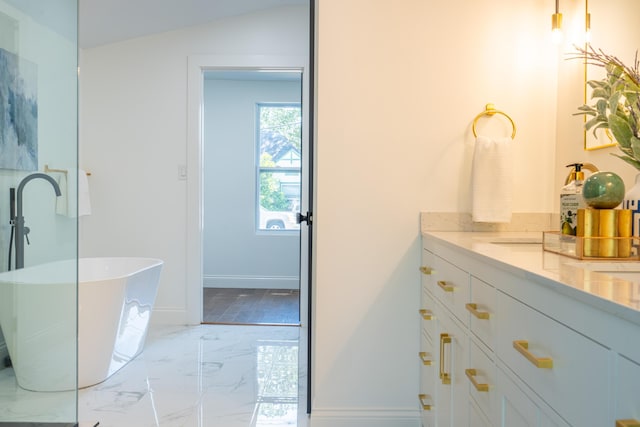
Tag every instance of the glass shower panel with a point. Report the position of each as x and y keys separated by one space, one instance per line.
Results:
x=38 y=212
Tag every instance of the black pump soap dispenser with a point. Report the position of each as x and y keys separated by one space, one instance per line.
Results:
x=571 y=200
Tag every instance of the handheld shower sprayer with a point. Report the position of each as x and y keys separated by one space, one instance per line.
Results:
x=12 y=204
x=12 y=222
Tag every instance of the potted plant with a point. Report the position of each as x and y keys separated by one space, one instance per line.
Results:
x=616 y=106
x=616 y=103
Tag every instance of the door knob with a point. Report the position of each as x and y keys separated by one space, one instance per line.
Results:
x=304 y=218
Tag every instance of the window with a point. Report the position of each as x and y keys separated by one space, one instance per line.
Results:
x=279 y=137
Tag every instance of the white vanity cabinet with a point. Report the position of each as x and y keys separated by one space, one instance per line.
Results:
x=516 y=352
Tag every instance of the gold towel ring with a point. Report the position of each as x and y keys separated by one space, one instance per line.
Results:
x=490 y=110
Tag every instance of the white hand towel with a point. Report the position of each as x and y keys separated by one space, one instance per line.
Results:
x=66 y=203
x=492 y=180
x=84 y=201
x=62 y=203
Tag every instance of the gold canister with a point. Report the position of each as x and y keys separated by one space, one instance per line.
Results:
x=588 y=227
x=608 y=248
x=624 y=230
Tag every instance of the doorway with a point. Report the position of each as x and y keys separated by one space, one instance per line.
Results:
x=240 y=256
x=252 y=188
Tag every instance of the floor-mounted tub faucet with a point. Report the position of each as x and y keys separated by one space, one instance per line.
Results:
x=19 y=220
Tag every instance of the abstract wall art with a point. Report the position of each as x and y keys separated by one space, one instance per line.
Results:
x=18 y=113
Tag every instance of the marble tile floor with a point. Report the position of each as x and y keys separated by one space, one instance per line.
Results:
x=199 y=376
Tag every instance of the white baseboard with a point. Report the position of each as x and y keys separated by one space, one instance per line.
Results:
x=365 y=417
x=251 y=282
x=168 y=316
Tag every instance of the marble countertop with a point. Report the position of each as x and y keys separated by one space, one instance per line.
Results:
x=608 y=285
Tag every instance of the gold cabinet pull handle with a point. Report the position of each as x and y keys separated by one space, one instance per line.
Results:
x=426 y=270
x=471 y=374
x=473 y=309
x=423 y=357
x=443 y=285
x=539 y=362
x=426 y=314
x=444 y=376
x=422 y=397
x=627 y=423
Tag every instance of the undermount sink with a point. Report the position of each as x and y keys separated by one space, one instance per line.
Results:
x=622 y=270
x=517 y=241
x=511 y=241
x=514 y=244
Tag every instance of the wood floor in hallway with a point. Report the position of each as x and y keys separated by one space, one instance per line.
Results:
x=251 y=306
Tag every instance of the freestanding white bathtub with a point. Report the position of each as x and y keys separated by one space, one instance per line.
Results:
x=38 y=319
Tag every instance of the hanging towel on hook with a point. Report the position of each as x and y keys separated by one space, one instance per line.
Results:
x=492 y=180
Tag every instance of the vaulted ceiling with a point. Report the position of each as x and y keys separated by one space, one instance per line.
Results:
x=108 y=21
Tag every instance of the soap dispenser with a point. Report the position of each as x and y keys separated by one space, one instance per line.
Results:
x=571 y=200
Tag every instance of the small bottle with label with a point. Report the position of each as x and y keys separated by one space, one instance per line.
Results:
x=571 y=200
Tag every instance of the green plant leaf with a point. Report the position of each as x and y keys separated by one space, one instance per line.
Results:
x=594 y=84
x=600 y=92
x=601 y=107
x=586 y=108
x=630 y=84
x=631 y=97
x=633 y=162
x=613 y=101
x=621 y=130
x=591 y=123
x=586 y=113
x=614 y=70
x=600 y=125
x=635 y=146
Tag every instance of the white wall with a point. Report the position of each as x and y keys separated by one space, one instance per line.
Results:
x=399 y=84
x=234 y=254
x=134 y=137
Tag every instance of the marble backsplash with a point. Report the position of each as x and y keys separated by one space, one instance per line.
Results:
x=460 y=221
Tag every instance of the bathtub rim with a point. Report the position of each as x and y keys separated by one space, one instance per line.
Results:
x=13 y=274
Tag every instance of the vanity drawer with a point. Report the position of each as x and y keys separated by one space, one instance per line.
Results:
x=482 y=376
x=563 y=367
x=482 y=308
x=517 y=409
x=451 y=287
x=627 y=405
